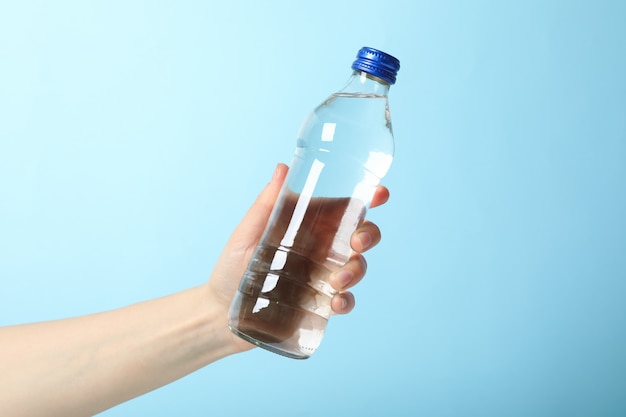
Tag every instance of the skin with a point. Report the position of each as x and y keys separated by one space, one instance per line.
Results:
x=81 y=366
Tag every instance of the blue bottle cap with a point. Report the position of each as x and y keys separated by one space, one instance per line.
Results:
x=377 y=63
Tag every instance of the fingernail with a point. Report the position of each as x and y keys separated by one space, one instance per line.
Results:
x=344 y=278
x=365 y=239
x=344 y=303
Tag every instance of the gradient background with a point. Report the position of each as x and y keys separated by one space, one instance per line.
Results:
x=134 y=136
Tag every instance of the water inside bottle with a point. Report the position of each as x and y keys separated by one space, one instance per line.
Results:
x=344 y=148
x=283 y=303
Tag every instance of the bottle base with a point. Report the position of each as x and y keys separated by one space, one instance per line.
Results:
x=267 y=345
x=291 y=331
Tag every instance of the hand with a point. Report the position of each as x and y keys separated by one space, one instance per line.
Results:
x=84 y=365
x=239 y=249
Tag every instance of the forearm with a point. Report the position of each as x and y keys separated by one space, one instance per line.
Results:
x=83 y=365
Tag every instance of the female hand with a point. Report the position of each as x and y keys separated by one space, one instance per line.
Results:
x=238 y=251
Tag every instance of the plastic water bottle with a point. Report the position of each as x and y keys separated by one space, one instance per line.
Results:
x=344 y=148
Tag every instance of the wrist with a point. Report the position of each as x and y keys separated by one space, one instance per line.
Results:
x=216 y=318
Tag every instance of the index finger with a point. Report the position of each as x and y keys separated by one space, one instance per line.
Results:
x=381 y=195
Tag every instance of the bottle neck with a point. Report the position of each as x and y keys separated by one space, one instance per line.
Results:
x=363 y=83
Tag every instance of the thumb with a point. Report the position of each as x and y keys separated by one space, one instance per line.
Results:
x=251 y=228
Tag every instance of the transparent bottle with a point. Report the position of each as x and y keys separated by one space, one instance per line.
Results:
x=344 y=148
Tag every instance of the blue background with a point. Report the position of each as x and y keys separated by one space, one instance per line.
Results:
x=134 y=136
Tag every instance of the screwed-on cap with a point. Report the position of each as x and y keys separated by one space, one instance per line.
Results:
x=377 y=63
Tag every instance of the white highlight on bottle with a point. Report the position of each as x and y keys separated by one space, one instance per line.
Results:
x=279 y=260
x=378 y=163
x=261 y=303
x=271 y=280
x=328 y=132
x=303 y=203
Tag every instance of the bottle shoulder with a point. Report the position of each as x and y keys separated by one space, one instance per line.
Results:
x=351 y=103
x=345 y=94
x=348 y=127
x=346 y=117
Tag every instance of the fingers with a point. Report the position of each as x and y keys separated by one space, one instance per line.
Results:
x=381 y=196
x=368 y=235
x=342 y=303
x=365 y=237
x=348 y=276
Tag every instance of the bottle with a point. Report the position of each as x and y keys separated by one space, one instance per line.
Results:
x=343 y=150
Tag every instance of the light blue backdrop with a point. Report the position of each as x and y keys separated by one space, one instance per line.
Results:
x=134 y=135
